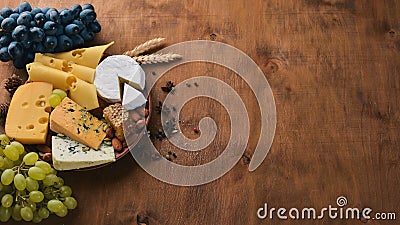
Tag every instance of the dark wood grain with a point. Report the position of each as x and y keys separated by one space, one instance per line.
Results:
x=333 y=66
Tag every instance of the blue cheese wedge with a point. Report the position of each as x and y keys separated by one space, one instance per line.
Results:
x=114 y=70
x=69 y=154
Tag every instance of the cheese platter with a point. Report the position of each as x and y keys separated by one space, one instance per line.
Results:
x=77 y=110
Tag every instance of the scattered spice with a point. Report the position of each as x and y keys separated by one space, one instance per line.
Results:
x=168 y=87
x=196 y=84
x=158 y=107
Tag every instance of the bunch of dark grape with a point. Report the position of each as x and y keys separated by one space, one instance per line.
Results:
x=30 y=189
x=25 y=31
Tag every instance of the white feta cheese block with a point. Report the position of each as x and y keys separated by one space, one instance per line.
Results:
x=69 y=154
x=114 y=70
x=132 y=98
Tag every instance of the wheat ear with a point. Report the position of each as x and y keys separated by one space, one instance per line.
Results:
x=156 y=58
x=153 y=43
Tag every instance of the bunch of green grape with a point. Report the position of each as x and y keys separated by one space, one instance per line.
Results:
x=30 y=190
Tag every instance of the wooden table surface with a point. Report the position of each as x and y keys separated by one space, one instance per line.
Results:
x=333 y=66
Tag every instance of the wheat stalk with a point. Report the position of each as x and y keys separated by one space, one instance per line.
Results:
x=156 y=58
x=153 y=43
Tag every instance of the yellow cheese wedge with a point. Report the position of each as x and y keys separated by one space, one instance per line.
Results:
x=60 y=79
x=89 y=57
x=84 y=94
x=52 y=62
x=72 y=120
x=82 y=72
x=28 y=114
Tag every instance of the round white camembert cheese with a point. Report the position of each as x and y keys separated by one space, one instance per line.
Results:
x=114 y=70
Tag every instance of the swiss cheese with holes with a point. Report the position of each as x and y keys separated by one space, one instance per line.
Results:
x=28 y=114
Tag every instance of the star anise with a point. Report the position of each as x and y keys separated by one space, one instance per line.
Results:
x=168 y=87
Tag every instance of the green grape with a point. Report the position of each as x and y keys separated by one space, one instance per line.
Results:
x=5 y=214
x=18 y=146
x=53 y=171
x=36 y=173
x=45 y=166
x=63 y=212
x=50 y=180
x=70 y=202
x=31 y=158
x=31 y=205
x=65 y=191
x=36 y=218
x=50 y=193
x=8 y=163
x=22 y=193
x=2 y=162
x=4 y=140
x=54 y=100
x=26 y=213
x=1 y=150
x=20 y=182
x=7 y=176
x=36 y=196
x=7 y=200
x=16 y=212
x=44 y=213
x=55 y=205
x=60 y=93
x=31 y=184
x=11 y=152
x=18 y=161
x=59 y=183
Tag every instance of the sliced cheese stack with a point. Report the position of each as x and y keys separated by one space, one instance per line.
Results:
x=69 y=154
x=115 y=70
x=72 y=71
x=72 y=120
x=28 y=114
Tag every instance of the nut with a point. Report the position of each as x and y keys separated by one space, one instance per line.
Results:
x=141 y=111
x=135 y=115
x=140 y=124
x=109 y=132
x=47 y=157
x=124 y=144
x=117 y=145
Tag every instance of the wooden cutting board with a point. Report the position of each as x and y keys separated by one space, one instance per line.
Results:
x=333 y=66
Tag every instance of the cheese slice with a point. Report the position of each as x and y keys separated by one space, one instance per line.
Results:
x=82 y=72
x=28 y=114
x=114 y=70
x=84 y=94
x=89 y=57
x=132 y=98
x=60 y=79
x=72 y=120
x=59 y=64
x=69 y=154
